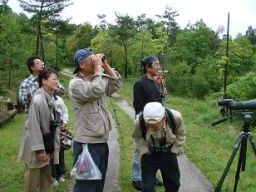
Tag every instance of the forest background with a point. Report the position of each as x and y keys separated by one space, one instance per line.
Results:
x=195 y=57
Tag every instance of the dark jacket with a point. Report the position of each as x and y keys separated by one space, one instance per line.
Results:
x=144 y=91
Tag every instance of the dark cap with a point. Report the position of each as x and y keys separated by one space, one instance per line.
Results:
x=146 y=61
x=81 y=55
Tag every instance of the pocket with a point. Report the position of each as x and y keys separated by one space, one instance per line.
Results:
x=48 y=139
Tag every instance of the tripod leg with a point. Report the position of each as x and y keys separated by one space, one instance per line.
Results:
x=220 y=183
x=241 y=160
x=252 y=144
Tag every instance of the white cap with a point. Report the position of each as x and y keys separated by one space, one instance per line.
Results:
x=153 y=112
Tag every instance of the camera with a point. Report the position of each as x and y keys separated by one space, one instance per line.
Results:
x=53 y=125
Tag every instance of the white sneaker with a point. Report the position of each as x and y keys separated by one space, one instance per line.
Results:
x=61 y=179
x=55 y=182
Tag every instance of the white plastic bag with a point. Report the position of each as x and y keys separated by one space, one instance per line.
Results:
x=85 y=168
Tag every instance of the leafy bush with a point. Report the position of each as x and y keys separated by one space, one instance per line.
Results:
x=244 y=87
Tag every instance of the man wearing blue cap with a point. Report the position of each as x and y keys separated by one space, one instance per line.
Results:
x=94 y=80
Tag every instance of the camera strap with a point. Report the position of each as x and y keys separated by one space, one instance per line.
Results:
x=169 y=118
x=161 y=146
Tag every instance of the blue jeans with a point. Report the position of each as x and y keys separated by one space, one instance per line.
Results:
x=136 y=166
x=99 y=153
x=167 y=163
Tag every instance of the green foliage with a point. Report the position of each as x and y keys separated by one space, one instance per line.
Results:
x=243 y=88
x=206 y=146
x=195 y=56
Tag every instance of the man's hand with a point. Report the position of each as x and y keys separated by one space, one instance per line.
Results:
x=62 y=127
x=42 y=156
x=97 y=63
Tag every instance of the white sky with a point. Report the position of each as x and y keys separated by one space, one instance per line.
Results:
x=213 y=12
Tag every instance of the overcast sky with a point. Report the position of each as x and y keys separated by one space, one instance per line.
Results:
x=213 y=12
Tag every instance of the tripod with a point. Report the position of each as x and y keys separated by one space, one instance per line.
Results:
x=242 y=140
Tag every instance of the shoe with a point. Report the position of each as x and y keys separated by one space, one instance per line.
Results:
x=158 y=182
x=137 y=185
x=55 y=182
x=61 y=179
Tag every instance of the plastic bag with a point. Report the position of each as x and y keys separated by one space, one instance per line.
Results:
x=85 y=168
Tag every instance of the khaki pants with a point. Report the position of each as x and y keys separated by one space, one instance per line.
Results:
x=39 y=178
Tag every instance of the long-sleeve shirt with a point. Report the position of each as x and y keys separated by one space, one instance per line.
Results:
x=175 y=140
x=88 y=97
x=144 y=91
x=61 y=108
x=27 y=90
x=37 y=124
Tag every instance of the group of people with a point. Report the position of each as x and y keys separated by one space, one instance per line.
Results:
x=157 y=141
x=46 y=117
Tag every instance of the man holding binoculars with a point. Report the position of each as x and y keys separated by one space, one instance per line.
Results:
x=94 y=80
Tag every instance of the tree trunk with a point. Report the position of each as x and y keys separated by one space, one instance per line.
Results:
x=126 y=60
x=10 y=73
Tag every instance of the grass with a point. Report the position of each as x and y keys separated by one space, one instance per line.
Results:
x=208 y=147
x=11 y=172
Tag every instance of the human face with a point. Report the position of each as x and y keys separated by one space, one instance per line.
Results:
x=51 y=84
x=153 y=70
x=37 y=66
x=156 y=126
x=87 y=66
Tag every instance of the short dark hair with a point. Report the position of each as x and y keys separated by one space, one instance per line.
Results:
x=30 y=62
x=45 y=74
x=147 y=62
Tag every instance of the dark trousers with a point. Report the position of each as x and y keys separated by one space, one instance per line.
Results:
x=99 y=153
x=168 y=165
x=58 y=169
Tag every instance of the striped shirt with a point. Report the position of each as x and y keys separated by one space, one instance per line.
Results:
x=27 y=90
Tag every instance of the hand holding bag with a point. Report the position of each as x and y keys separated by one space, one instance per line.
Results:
x=85 y=168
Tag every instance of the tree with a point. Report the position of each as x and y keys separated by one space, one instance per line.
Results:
x=4 y=6
x=171 y=26
x=124 y=30
x=251 y=34
x=103 y=23
x=81 y=38
x=43 y=9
